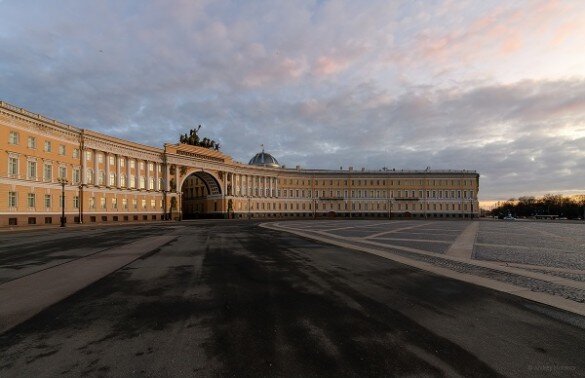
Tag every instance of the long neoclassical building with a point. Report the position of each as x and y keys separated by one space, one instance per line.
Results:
x=107 y=179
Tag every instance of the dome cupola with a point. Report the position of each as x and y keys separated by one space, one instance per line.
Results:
x=264 y=159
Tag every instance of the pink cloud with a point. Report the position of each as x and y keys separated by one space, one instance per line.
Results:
x=326 y=66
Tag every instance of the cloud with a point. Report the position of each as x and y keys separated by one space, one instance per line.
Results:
x=322 y=84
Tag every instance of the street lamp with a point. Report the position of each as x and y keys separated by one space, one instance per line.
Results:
x=314 y=208
x=249 y=214
x=63 y=182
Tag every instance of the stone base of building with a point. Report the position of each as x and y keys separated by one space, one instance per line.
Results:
x=42 y=220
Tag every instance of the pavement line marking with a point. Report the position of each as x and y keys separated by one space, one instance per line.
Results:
x=395 y=230
x=522 y=247
x=542 y=267
x=463 y=245
x=413 y=240
x=527 y=293
x=484 y=264
x=25 y=297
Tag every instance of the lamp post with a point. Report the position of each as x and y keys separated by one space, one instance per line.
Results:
x=63 y=182
x=314 y=208
x=81 y=204
x=249 y=214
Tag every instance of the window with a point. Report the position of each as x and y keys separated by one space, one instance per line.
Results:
x=143 y=203
x=135 y=204
x=13 y=138
x=31 y=200
x=123 y=180
x=89 y=175
x=112 y=179
x=153 y=203
x=132 y=164
x=122 y=162
x=32 y=170
x=142 y=182
x=125 y=203
x=12 y=199
x=48 y=147
x=62 y=172
x=61 y=149
x=13 y=166
x=48 y=172
x=100 y=158
x=76 y=175
x=48 y=201
x=87 y=155
x=150 y=167
x=76 y=202
x=141 y=166
x=102 y=178
x=32 y=142
x=114 y=203
x=111 y=160
x=75 y=152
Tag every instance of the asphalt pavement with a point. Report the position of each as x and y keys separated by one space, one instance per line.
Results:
x=228 y=298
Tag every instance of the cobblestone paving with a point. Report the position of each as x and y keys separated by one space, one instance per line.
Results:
x=539 y=245
x=544 y=244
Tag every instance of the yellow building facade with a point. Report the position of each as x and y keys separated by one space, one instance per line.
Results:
x=107 y=179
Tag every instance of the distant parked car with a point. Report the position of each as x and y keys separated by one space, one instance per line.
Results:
x=509 y=217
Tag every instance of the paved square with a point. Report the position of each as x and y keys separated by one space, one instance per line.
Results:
x=546 y=257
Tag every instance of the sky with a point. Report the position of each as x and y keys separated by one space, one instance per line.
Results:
x=492 y=86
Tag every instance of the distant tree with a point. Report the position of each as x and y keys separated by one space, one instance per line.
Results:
x=551 y=204
x=193 y=139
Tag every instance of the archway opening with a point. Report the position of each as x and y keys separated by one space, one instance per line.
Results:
x=201 y=196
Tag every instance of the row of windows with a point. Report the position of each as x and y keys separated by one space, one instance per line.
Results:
x=124 y=203
x=420 y=182
x=31 y=200
x=354 y=206
x=48 y=202
x=301 y=193
x=14 y=138
x=47 y=173
x=112 y=161
x=124 y=182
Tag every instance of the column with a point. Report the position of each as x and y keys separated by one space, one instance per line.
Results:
x=167 y=177
x=118 y=172
x=177 y=176
x=95 y=168
x=147 y=174
x=233 y=186
x=156 y=178
x=107 y=167
x=271 y=188
x=276 y=185
x=264 y=187
x=136 y=174
x=83 y=167
x=128 y=172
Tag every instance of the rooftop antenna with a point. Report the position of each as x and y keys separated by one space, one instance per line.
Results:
x=262 y=145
